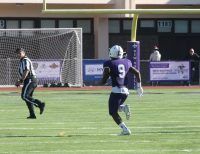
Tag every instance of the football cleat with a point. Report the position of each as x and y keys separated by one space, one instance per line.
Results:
x=42 y=106
x=127 y=111
x=31 y=117
x=125 y=132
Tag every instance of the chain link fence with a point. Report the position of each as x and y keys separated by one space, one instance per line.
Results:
x=9 y=73
x=47 y=71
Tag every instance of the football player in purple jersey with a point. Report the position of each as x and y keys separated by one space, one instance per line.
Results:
x=117 y=68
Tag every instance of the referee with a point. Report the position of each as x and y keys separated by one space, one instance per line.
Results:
x=29 y=80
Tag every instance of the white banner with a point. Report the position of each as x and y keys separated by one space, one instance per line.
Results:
x=93 y=69
x=47 y=69
x=169 y=71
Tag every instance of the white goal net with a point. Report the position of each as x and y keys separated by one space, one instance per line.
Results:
x=56 y=54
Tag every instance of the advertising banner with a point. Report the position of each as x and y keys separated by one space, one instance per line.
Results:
x=48 y=70
x=92 y=70
x=169 y=71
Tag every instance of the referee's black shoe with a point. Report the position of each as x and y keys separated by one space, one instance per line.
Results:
x=31 y=117
x=42 y=106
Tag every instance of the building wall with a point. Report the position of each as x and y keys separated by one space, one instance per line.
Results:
x=164 y=2
x=33 y=9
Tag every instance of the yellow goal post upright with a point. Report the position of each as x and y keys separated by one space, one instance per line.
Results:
x=132 y=45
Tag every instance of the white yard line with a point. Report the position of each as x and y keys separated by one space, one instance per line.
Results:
x=85 y=122
x=67 y=134
x=90 y=141
x=98 y=128
x=65 y=142
x=7 y=110
x=111 y=151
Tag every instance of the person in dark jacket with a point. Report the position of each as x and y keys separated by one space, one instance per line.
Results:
x=194 y=59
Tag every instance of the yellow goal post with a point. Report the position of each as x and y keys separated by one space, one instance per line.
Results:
x=134 y=12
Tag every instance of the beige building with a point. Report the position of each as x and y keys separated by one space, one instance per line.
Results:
x=174 y=34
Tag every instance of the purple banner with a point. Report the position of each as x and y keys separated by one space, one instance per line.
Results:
x=133 y=53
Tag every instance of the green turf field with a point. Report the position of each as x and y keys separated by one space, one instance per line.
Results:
x=164 y=121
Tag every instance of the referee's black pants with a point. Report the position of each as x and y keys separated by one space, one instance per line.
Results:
x=27 y=93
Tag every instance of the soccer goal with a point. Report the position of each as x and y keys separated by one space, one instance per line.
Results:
x=56 y=54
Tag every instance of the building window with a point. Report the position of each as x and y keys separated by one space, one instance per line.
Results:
x=47 y=24
x=127 y=24
x=2 y=24
x=164 y=25
x=181 y=26
x=195 y=26
x=114 y=26
x=12 y=24
x=85 y=25
x=65 y=23
x=26 y=24
x=147 y=24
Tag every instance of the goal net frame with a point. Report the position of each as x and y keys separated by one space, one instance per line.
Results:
x=52 y=48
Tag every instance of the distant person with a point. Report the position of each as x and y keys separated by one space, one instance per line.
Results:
x=194 y=58
x=29 y=81
x=117 y=68
x=155 y=56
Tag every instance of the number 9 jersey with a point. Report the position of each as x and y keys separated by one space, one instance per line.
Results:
x=119 y=69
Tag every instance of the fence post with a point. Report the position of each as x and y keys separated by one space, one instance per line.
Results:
x=199 y=72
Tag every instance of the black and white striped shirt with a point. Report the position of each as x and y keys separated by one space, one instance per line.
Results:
x=26 y=64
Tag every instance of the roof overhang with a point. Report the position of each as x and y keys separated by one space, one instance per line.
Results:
x=79 y=2
x=167 y=2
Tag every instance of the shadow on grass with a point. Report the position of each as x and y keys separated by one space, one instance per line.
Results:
x=27 y=136
x=10 y=94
